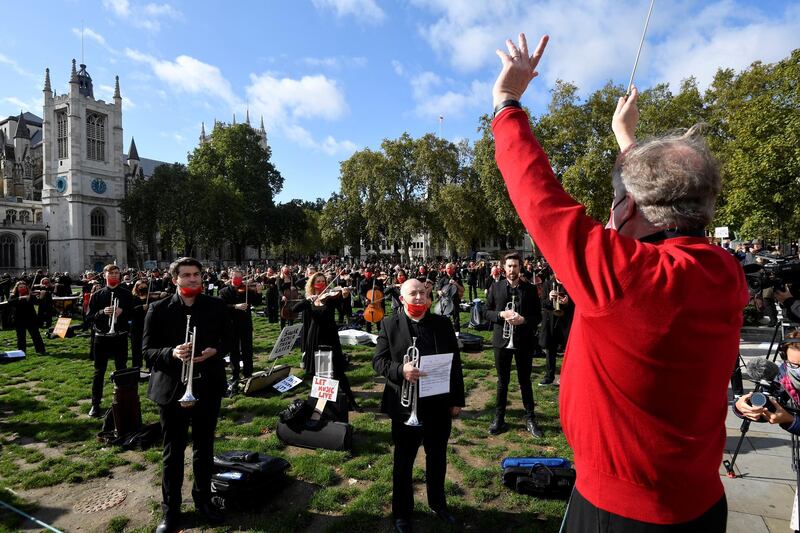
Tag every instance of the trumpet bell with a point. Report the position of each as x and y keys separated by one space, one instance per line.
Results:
x=413 y=421
x=187 y=400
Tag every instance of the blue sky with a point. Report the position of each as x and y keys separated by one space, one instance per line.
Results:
x=334 y=76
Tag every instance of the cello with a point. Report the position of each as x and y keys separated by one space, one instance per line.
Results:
x=373 y=313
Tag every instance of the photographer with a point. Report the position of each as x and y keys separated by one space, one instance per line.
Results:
x=790 y=304
x=789 y=378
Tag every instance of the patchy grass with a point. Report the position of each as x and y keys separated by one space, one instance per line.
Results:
x=46 y=439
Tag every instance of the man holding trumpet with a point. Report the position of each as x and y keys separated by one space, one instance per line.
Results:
x=433 y=334
x=109 y=313
x=168 y=353
x=514 y=310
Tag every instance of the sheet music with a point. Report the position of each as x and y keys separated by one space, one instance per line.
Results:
x=437 y=367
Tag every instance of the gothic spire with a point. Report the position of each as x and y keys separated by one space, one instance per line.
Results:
x=247 y=116
x=22 y=128
x=74 y=76
x=234 y=119
x=262 y=124
x=116 y=87
x=47 y=87
x=133 y=154
x=202 y=131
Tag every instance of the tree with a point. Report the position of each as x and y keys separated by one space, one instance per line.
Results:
x=234 y=159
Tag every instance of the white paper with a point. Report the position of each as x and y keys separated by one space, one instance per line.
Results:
x=793 y=523
x=437 y=367
x=287 y=384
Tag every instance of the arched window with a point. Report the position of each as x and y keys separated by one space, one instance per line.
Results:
x=38 y=217
x=8 y=251
x=11 y=216
x=24 y=217
x=38 y=250
x=98 y=223
x=96 y=136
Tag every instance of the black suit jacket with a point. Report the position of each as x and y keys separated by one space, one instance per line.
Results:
x=165 y=328
x=497 y=296
x=393 y=342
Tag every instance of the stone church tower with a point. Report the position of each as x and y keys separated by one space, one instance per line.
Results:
x=83 y=175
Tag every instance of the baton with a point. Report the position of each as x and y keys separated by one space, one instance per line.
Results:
x=641 y=44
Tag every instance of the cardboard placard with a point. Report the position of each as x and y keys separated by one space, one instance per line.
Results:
x=325 y=389
x=287 y=384
x=285 y=341
x=62 y=325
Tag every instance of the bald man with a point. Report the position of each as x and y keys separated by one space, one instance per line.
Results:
x=434 y=335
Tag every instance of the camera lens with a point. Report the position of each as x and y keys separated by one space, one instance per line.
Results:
x=759 y=399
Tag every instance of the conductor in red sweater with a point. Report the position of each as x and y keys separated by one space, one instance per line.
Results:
x=657 y=317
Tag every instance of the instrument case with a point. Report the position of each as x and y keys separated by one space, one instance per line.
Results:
x=545 y=477
x=241 y=480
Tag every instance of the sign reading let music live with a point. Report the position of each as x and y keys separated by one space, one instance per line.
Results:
x=325 y=388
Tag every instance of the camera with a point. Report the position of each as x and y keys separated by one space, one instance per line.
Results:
x=761 y=399
x=776 y=275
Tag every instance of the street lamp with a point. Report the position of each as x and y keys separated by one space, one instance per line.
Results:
x=47 y=246
x=24 y=253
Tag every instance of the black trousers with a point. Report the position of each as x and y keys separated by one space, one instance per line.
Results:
x=242 y=350
x=583 y=517
x=473 y=292
x=136 y=347
x=106 y=348
x=36 y=337
x=456 y=317
x=175 y=422
x=554 y=339
x=345 y=310
x=285 y=322
x=433 y=436
x=502 y=363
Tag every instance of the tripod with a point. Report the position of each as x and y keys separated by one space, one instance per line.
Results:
x=746 y=422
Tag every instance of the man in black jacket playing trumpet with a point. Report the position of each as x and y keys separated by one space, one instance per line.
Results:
x=517 y=325
x=434 y=335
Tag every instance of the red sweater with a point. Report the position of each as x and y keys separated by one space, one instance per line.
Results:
x=653 y=342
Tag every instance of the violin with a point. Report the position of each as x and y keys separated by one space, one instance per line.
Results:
x=373 y=313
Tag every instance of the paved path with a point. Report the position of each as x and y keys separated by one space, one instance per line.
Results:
x=759 y=501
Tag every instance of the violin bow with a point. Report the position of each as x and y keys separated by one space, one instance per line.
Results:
x=641 y=44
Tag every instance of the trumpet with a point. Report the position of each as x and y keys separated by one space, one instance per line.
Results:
x=508 y=328
x=114 y=304
x=557 y=311
x=409 y=396
x=187 y=371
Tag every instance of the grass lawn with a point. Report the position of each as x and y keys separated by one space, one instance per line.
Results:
x=48 y=441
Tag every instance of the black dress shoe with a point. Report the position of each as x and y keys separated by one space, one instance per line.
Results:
x=447 y=517
x=210 y=512
x=168 y=525
x=498 y=426
x=533 y=428
x=94 y=412
x=546 y=381
x=401 y=525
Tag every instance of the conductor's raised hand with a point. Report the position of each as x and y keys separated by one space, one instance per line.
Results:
x=519 y=69
x=625 y=119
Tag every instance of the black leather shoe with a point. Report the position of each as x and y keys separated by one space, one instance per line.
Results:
x=211 y=512
x=94 y=412
x=534 y=429
x=401 y=525
x=546 y=381
x=447 y=517
x=498 y=426
x=168 y=525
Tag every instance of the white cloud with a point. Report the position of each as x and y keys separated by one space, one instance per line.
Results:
x=398 y=67
x=148 y=16
x=89 y=33
x=434 y=99
x=285 y=102
x=335 y=62
x=189 y=75
x=33 y=105
x=4 y=60
x=106 y=92
x=685 y=38
x=364 y=10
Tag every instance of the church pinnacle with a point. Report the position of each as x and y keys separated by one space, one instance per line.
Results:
x=74 y=76
x=116 y=87
x=47 y=80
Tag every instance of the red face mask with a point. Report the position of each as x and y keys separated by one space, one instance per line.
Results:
x=416 y=311
x=401 y=279
x=112 y=283
x=450 y=271
x=422 y=270
x=367 y=275
x=23 y=291
x=236 y=282
x=319 y=287
x=190 y=292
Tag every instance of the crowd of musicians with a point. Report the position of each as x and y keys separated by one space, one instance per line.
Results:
x=147 y=313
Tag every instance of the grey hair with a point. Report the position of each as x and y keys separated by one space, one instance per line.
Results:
x=673 y=179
